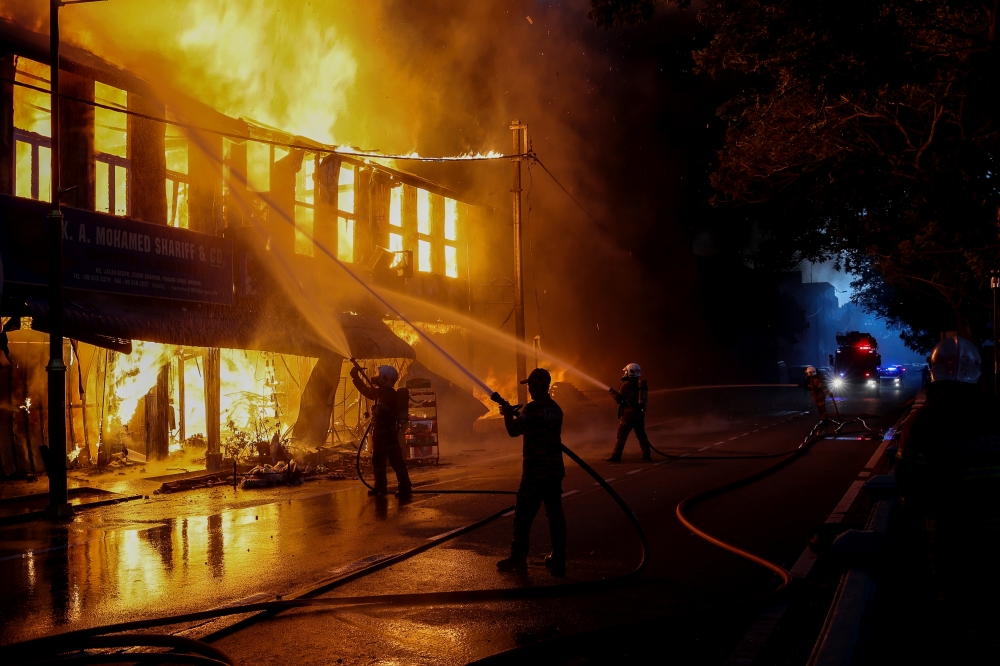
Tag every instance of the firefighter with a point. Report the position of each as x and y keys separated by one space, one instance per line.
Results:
x=388 y=411
x=631 y=399
x=949 y=475
x=816 y=385
x=540 y=423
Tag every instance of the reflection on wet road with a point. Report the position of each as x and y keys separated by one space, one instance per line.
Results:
x=212 y=547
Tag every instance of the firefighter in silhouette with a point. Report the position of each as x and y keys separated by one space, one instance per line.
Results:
x=949 y=475
x=631 y=399
x=388 y=414
x=816 y=384
x=540 y=423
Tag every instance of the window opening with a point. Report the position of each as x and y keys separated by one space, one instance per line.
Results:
x=305 y=205
x=424 y=256
x=396 y=207
x=176 y=148
x=32 y=132
x=423 y=212
x=111 y=149
x=395 y=242
x=451 y=261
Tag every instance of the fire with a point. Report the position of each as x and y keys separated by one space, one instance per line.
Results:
x=135 y=374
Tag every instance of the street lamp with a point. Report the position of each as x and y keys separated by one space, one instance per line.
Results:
x=55 y=461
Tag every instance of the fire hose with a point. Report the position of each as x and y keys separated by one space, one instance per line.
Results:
x=66 y=647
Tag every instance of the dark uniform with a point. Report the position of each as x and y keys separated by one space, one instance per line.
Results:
x=385 y=432
x=631 y=416
x=817 y=386
x=949 y=478
x=542 y=472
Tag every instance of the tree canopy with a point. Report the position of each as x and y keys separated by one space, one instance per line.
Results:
x=866 y=132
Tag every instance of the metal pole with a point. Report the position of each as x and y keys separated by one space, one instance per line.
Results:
x=520 y=142
x=55 y=463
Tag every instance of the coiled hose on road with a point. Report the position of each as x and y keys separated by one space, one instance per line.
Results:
x=65 y=648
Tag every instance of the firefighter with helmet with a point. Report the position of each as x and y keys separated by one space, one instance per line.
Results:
x=631 y=398
x=816 y=385
x=389 y=413
x=540 y=423
x=949 y=476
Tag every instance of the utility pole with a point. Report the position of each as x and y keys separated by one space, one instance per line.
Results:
x=520 y=148
x=55 y=462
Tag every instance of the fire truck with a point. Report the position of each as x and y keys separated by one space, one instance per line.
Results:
x=857 y=362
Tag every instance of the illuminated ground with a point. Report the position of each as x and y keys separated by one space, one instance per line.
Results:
x=208 y=548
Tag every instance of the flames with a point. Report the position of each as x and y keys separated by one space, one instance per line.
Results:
x=250 y=391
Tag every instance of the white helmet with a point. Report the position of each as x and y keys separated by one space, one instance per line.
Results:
x=387 y=376
x=955 y=359
x=810 y=371
x=632 y=370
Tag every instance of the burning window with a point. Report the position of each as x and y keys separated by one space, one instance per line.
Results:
x=345 y=239
x=345 y=219
x=451 y=261
x=178 y=183
x=450 y=219
x=305 y=202
x=396 y=207
x=423 y=212
x=424 y=256
x=32 y=132
x=395 y=242
x=450 y=234
x=259 y=159
x=111 y=148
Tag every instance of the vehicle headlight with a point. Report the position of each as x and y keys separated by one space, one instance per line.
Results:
x=838 y=382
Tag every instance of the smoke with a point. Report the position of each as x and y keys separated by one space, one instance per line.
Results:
x=445 y=78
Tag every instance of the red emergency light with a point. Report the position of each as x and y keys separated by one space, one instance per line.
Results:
x=867 y=374
x=864 y=347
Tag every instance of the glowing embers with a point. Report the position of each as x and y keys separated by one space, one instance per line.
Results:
x=111 y=148
x=32 y=132
x=177 y=182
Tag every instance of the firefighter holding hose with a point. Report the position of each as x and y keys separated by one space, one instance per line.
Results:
x=388 y=414
x=631 y=398
x=540 y=423
x=816 y=385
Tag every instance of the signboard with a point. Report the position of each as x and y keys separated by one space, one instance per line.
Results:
x=115 y=254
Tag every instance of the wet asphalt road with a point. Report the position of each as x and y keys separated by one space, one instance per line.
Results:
x=209 y=548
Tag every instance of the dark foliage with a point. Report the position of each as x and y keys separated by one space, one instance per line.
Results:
x=866 y=131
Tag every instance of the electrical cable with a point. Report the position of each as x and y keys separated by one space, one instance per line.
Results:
x=579 y=205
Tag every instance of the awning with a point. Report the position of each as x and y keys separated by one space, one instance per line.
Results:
x=112 y=322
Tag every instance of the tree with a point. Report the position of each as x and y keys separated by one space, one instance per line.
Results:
x=868 y=132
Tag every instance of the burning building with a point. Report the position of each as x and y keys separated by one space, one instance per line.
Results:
x=197 y=298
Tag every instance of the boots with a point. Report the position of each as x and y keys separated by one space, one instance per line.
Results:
x=646 y=457
x=556 y=562
x=517 y=564
x=614 y=458
x=404 y=492
x=373 y=492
